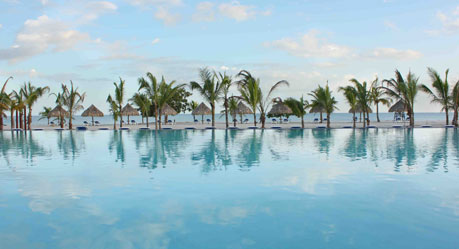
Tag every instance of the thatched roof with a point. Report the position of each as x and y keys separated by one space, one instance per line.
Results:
x=398 y=107
x=317 y=109
x=128 y=110
x=359 y=109
x=92 y=111
x=57 y=112
x=243 y=109
x=167 y=110
x=202 y=109
x=279 y=109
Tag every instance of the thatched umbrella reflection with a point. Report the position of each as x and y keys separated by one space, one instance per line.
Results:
x=60 y=113
x=202 y=110
x=92 y=112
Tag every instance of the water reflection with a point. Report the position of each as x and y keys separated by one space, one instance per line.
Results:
x=21 y=144
x=70 y=144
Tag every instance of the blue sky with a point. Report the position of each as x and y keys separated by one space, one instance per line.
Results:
x=307 y=43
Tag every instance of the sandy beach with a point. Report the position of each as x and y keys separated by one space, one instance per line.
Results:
x=221 y=125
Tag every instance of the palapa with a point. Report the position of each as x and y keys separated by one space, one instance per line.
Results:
x=57 y=112
x=202 y=110
x=279 y=109
x=167 y=110
x=398 y=107
x=317 y=109
x=359 y=109
x=92 y=112
x=128 y=110
x=243 y=109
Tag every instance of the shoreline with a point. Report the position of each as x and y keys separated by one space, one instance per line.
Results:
x=270 y=125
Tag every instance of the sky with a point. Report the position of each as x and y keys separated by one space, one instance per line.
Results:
x=308 y=43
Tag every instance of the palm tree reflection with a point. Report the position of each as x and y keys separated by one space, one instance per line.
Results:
x=70 y=143
x=214 y=155
x=20 y=143
x=116 y=144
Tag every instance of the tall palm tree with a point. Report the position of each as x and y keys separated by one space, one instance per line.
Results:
x=363 y=99
x=298 y=107
x=350 y=93
x=32 y=94
x=167 y=91
x=45 y=113
x=251 y=93
x=60 y=102
x=119 y=98
x=191 y=106
x=378 y=96
x=441 y=87
x=73 y=100
x=233 y=103
x=226 y=83
x=209 y=88
x=315 y=103
x=455 y=102
x=151 y=88
x=142 y=101
x=405 y=90
x=114 y=109
x=326 y=101
x=4 y=102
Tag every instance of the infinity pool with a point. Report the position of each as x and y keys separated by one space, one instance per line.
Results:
x=386 y=188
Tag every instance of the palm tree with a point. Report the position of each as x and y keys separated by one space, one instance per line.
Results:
x=151 y=88
x=114 y=109
x=315 y=103
x=378 y=96
x=142 y=101
x=44 y=114
x=73 y=100
x=455 y=102
x=325 y=100
x=32 y=94
x=210 y=89
x=226 y=83
x=4 y=102
x=251 y=93
x=119 y=98
x=405 y=90
x=350 y=93
x=298 y=107
x=233 y=103
x=191 y=106
x=363 y=99
x=60 y=102
x=166 y=92
x=441 y=88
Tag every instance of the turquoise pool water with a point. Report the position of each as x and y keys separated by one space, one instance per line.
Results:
x=386 y=188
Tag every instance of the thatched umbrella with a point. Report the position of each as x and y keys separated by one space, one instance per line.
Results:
x=359 y=109
x=317 y=109
x=92 y=112
x=279 y=109
x=202 y=110
x=243 y=110
x=128 y=110
x=398 y=107
x=60 y=113
x=166 y=111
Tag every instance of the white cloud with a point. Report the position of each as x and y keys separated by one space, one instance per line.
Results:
x=40 y=35
x=310 y=45
x=147 y=3
x=93 y=10
x=155 y=41
x=204 y=12
x=450 y=24
x=392 y=53
x=236 y=11
x=163 y=14
x=1 y=26
x=391 y=25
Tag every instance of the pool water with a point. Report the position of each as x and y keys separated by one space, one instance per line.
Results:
x=381 y=188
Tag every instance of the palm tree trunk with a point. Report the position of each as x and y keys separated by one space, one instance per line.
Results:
x=226 y=112
x=364 y=121
x=411 y=115
x=20 y=120
x=160 y=122
x=254 y=119
x=302 y=121
x=377 y=113
x=147 y=120
x=156 y=117
x=213 y=114
x=447 y=115
x=321 y=118
x=70 y=121
x=368 y=118
x=12 y=118
x=455 y=117
x=17 y=119
x=353 y=119
x=328 y=120
x=25 y=118
x=202 y=119
x=1 y=120
x=30 y=118
x=234 y=120
x=114 y=124
x=262 y=119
